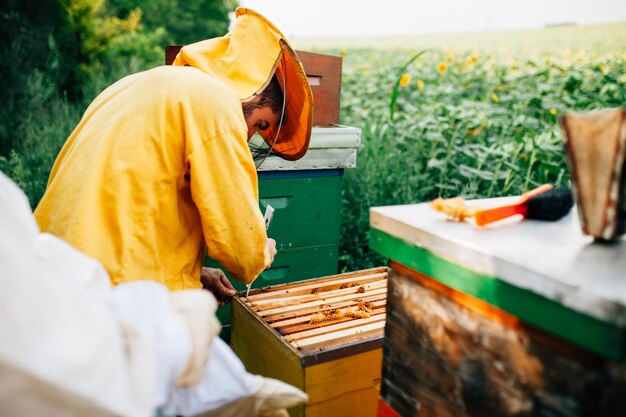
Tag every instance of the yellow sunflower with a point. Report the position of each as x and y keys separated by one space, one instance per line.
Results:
x=405 y=80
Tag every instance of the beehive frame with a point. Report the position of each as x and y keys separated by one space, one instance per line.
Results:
x=336 y=361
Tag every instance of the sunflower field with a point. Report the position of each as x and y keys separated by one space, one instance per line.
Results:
x=462 y=122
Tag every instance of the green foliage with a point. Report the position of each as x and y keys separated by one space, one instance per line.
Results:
x=59 y=54
x=83 y=40
x=24 y=29
x=464 y=124
x=41 y=130
x=13 y=166
x=181 y=21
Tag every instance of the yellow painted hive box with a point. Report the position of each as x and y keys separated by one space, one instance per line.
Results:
x=322 y=335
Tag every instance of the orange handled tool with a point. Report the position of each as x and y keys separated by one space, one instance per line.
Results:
x=491 y=215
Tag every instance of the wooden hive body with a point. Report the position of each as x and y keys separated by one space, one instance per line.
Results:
x=336 y=360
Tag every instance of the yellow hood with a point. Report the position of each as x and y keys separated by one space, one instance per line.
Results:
x=245 y=60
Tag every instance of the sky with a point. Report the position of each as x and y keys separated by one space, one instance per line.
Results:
x=299 y=19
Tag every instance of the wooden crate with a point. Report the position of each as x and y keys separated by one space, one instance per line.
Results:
x=324 y=75
x=305 y=334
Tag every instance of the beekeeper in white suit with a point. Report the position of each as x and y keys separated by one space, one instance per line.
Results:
x=73 y=346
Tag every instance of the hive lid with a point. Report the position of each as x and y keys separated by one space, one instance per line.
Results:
x=335 y=136
x=331 y=147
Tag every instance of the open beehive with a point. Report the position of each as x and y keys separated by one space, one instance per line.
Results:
x=322 y=335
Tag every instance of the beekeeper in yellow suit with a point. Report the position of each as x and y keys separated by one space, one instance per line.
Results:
x=159 y=168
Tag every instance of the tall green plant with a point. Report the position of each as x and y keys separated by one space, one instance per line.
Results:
x=396 y=87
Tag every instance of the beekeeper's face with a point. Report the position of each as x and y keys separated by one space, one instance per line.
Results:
x=260 y=119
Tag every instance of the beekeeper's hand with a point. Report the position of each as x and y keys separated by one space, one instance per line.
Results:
x=271 y=398
x=214 y=280
x=271 y=248
x=197 y=309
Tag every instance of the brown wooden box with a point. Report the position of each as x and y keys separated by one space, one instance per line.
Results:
x=336 y=361
x=324 y=75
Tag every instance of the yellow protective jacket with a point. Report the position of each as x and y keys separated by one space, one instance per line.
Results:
x=159 y=163
x=158 y=169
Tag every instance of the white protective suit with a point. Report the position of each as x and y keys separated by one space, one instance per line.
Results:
x=71 y=345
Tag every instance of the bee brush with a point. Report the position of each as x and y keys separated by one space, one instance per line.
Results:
x=541 y=203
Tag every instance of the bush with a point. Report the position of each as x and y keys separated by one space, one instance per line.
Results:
x=58 y=55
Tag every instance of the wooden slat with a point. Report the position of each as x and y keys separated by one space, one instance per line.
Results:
x=303 y=326
x=337 y=335
x=300 y=299
x=287 y=304
x=298 y=324
x=308 y=326
x=349 y=343
x=306 y=287
x=298 y=310
x=260 y=292
x=345 y=324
